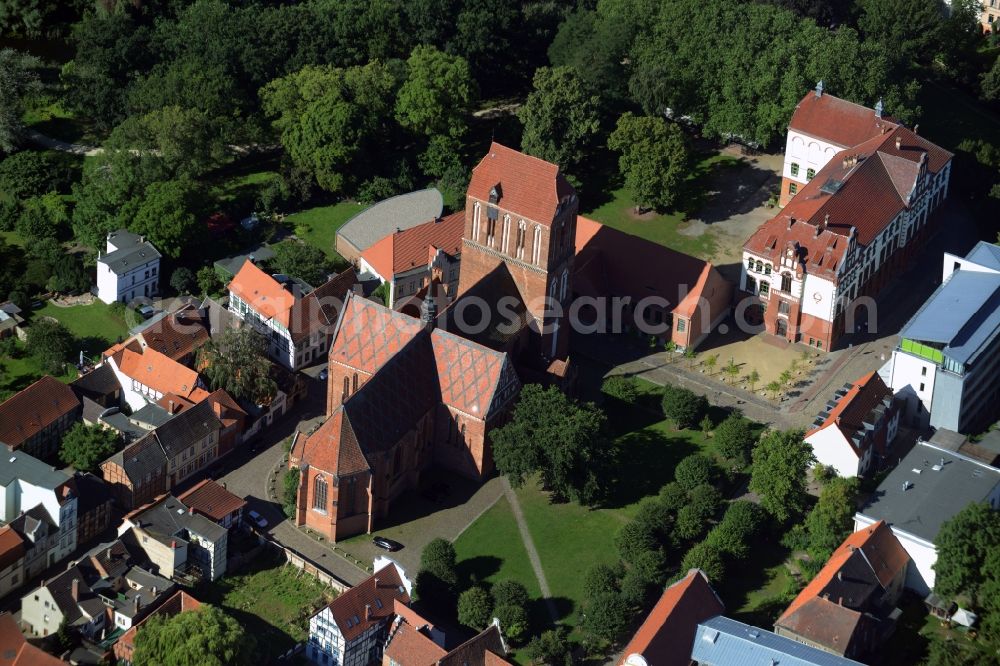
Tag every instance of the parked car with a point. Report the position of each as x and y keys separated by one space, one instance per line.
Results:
x=146 y=311
x=387 y=544
x=258 y=519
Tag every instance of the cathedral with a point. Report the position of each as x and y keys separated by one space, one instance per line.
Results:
x=407 y=393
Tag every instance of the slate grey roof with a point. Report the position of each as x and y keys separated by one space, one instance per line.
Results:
x=985 y=254
x=142 y=457
x=61 y=589
x=170 y=518
x=721 y=641
x=963 y=314
x=187 y=428
x=394 y=214
x=131 y=252
x=231 y=265
x=125 y=426
x=147 y=583
x=16 y=465
x=932 y=496
x=150 y=414
x=97 y=383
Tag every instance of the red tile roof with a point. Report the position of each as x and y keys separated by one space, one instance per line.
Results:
x=178 y=334
x=832 y=607
x=860 y=191
x=15 y=650
x=28 y=412
x=11 y=547
x=410 y=248
x=530 y=187
x=211 y=500
x=262 y=293
x=160 y=373
x=369 y=334
x=320 y=308
x=469 y=374
x=852 y=409
x=484 y=649
x=408 y=646
x=332 y=447
x=666 y=636
x=369 y=602
x=836 y=120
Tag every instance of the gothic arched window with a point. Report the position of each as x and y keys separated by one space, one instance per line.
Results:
x=476 y=212
x=319 y=493
x=347 y=390
x=521 y=229
x=786 y=282
x=505 y=237
x=536 y=246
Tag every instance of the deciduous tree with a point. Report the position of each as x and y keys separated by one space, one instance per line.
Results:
x=833 y=516
x=683 y=406
x=778 y=477
x=475 y=607
x=17 y=81
x=561 y=118
x=168 y=216
x=204 y=636
x=653 y=159
x=693 y=471
x=707 y=557
x=237 y=362
x=963 y=546
x=734 y=437
x=302 y=261
x=51 y=344
x=437 y=94
x=85 y=447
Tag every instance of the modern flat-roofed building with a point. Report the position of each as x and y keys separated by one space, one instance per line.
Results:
x=928 y=487
x=947 y=365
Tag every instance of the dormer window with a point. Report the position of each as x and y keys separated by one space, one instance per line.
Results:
x=495 y=194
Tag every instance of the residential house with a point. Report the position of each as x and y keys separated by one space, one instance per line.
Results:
x=136 y=425
x=228 y=267
x=102 y=592
x=352 y=629
x=190 y=441
x=228 y=411
x=33 y=527
x=11 y=560
x=674 y=296
x=665 y=636
x=297 y=322
x=990 y=15
x=146 y=375
x=179 y=542
x=99 y=392
x=34 y=419
x=401 y=396
x=211 y=499
x=93 y=508
x=947 y=365
x=177 y=335
x=137 y=473
x=29 y=486
x=397 y=213
x=15 y=650
x=129 y=269
x=406 y=259
x=928 y=487
x=721 y=641
x=985 y=449
x=855 y=431
x=849 y=230
x=179 y=602
x=11 y=321
x=849 y=607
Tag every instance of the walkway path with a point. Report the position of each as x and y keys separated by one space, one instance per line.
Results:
x=62 y=146
x=529 y=545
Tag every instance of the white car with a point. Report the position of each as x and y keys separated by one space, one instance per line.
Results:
x=260 y=520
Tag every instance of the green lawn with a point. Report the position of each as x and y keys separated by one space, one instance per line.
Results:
x=318 y=226
x=48 y=116
x=491 y=550
x=18 y=373
x=93 y=325
x=273 y=601
x=665 y=228
x=11 y=238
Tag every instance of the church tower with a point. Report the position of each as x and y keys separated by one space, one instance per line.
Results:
x=520 y=213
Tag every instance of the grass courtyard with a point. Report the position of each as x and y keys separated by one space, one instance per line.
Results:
x=318 y=226
x=94 y=325
x=272 y=600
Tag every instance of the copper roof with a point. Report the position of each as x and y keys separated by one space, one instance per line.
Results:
x=674 y=620
x=369 y=602
x=836 y=120
x=211 y=500
x=28 y=412
x=529 y=186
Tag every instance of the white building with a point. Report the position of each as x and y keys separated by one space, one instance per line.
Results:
x=28 y=484
x=852 y=222
x=926 y=489
x=296 y=322
x=352 y=630
x=129 y=269
x=856 y=429
x=946 y=368
x=145 y=376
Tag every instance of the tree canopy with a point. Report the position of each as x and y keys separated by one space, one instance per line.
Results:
x=682 y=406
x=238 y=363
x=305 y=262
x=833 y=516
x=51 y=344
x=566 y=442
x=964 y=545
x=205 y=636
x=778 y=476
x=653 y=159
x=17 y=81
x=435 y=98
x=85 y=447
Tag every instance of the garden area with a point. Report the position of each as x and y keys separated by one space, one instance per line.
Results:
x=273 y=601
x=318 y=226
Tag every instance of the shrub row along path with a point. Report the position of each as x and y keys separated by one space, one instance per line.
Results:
x=529 y=546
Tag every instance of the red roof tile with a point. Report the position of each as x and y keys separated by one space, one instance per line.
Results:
x=160 y=373
x=408 y=646
x=178 y=334
x=319 y=309
x=484 y=649
x=469 y=374
x=263 y=293
x=369 y=602
x=369 y=334
x=28 y=412
x=15 y=650
x=11 y=547
x=332 y=447
x=413 y=247
x=852 y=409
x=836 y=120
x=531 y=187
x=666 y=636
x=211 y=500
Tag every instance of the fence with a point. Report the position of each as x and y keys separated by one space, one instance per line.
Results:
x=306 y=565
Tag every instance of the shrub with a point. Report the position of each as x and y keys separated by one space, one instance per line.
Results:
x=290 y=491
x=708 y=558
x=682 y=406
x=509 y=593
x=513 y=622
x=475 y=608
x=623 y=388
x=693 y=471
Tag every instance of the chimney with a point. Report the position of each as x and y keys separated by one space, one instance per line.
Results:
x=915 y=129
x=217 y=408
x=819 y=88
x=152 y=591
x=840 y=575
x=108 y=554
x=899 y=142
x=819 y=230
x=791 y=221
x=173 y=543
x=190 y=510
x=368 y=611
x=376 y=583
x=878 y=108
x=847 y=162
x=170 y=407
x=840 y=601
x=138 y=602
x=74 y=590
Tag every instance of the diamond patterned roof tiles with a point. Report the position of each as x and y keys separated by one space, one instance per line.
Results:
x=369 y=334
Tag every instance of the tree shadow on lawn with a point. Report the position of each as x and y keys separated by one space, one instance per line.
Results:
x=538 y=613
x=720 y=189
x=624 y=418
x=271 y=641
x=475 y=570
x=744 y=578
x=647 y=461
